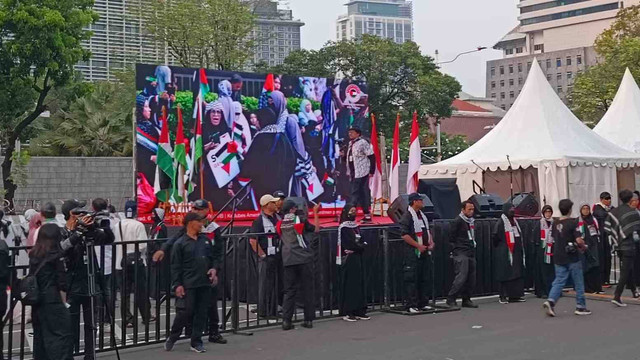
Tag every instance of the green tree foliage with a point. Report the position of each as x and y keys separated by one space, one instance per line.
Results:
x=213 y=34
x=94 y=125
x=619 y=48
x=40 y=42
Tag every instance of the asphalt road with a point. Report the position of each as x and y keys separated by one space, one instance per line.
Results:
x=514 y=331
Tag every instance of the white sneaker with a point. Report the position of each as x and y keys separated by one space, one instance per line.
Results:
x=427 y=308
x=618 y=303
x=548 y=308
x=350 y=318
x=414 y=310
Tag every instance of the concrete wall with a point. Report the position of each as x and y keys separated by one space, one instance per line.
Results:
x=58 y=178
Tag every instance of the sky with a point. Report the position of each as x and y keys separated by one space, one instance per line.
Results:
x=450 y=26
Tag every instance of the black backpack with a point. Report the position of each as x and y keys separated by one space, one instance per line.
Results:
x=29 y=289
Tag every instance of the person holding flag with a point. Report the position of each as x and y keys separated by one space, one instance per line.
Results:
x=509 y=256
x=414 y=228
x=361 y=165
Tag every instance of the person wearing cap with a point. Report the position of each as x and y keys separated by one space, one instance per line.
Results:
x=297 y=260
x=77 y=273
x=600 y=212
x=131 y=264
x=48 y=212
x=193 y=271
x=200 y=207
x=267 y=249
x=360 y=166
x=280 y=195
x=414 y=228
x=236 y=87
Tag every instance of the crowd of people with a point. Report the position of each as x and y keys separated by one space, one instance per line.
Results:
x=576 y=252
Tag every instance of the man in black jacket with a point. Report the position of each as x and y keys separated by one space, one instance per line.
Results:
x=76 y=229
x=463 y=239
x=600 y=212
x=193 y=270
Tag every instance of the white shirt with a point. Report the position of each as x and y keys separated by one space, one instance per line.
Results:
x=358 y=152
x=131 y=230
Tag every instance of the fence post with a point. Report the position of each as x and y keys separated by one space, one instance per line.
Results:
x=385 y=256
x=235 y=301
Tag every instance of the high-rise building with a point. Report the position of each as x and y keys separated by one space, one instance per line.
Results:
x=392 y=19
x=276 y=33
x=118 y=41
x=559 y=34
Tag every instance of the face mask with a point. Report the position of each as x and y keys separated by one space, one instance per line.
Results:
x=351 y=217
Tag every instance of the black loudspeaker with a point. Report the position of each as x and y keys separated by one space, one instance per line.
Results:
x=301 y=204
x=487 y=205
x=525 y=204
x=399 y=207
x=444 y=194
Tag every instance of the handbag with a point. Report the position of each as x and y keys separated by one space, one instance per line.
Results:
x=29 y=289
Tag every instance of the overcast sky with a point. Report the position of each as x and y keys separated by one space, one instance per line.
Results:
x=450 y=26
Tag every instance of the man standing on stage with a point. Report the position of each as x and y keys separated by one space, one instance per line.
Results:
x=297 y=258
x=360 y=166
x=600 y=212
x=414 y=228
x=269 y=260
x=463 y=240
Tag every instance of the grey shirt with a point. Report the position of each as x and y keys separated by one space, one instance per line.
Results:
x=295 y=251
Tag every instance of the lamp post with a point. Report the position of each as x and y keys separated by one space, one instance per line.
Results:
x=479 y=48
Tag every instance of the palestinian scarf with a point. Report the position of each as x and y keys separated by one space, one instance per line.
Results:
x=510 y=234
x=224 y=97
x=418 y=228
x=546 y=238
x=156 y=229
x=349 y=225
x=471 y=233
x=270 y=229
x=298 y=226
x=586 y=223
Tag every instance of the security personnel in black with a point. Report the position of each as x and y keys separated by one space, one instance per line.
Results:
x=192 y=271
x=76 y=263
x=414 y=228
x=463 y=240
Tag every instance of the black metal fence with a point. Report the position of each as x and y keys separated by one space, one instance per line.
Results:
x=134 y=306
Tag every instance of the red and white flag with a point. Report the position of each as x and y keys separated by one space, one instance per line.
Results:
x=394 y=181
x=414 y=156
x=376 y=180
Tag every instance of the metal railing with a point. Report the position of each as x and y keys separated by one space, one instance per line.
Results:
x=142 y=287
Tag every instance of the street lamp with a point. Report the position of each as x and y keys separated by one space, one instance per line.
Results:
x=479 y=48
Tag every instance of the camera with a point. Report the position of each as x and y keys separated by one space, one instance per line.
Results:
x=571 y=248
x=100 y=221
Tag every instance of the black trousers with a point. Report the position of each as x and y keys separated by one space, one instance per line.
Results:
x=52 y=339
x=605 y=261
x=548 y=275
x=76 y=302
x=213 y=315
x=192 y=308
x=135 y=281
x=512 y=289
x=268 y=286
x=417 y=278
x=361 y=194
x=465 y=280
x=627 y=262
x=298 y=277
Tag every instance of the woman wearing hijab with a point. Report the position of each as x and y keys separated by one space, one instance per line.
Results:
x=509 y=256
x=225 y=92
x=306 y=116
x=590 y=231
x=353 y=304
x=547 y=269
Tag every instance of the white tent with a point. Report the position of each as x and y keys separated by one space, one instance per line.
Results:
x=621 y=121
x=553 y=154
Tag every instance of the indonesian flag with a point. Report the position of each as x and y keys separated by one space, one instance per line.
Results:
x=180 y=156
x=394 y=181
x=414 y=156
x=164 y=159
x=376 y=180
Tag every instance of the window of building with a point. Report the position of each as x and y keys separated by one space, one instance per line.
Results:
x=493 y=71
x=569 y=14
x=559 y=89
x=569 y=75
x=558 y=62
x=579 y=59
x=548 y=63
x=493 y=95
x=493 y=84
x=508 y=51
x=503 y=107
x=512 y=95
x=511 y=82
x=501 y=70
x=549 y=77
x=559 y=76
x=568 y=60
x=538 y=47
x=528 y=65
x=519 y=50
x=502 y=95
x=519 y=67
x=501 y=83
x=520 y=81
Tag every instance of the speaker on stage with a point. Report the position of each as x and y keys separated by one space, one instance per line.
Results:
x=525 y=204
x=444 y=194
x=301 y=204
x=487 y=205
x=401 y=204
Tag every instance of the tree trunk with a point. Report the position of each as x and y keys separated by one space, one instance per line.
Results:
x=8 y=185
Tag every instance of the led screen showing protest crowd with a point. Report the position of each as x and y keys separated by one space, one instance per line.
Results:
x=214 y=134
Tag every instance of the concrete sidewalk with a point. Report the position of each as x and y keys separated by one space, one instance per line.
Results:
x=513 y=331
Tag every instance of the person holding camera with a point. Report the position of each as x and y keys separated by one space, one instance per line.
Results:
x=79 y=229
x=193 y=271
x=568 y=244
x=414 y=228
x=132 y=265
x=52 y=337
x=623 y=228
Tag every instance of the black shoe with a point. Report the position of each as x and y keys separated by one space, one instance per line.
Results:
x=469 y=304
x=307 y=324
x=503 y=300
x=217 y=339
x=517 y=300
x=287 y=326
x=450 y=304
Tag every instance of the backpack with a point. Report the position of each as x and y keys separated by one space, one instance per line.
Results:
x=29 y=289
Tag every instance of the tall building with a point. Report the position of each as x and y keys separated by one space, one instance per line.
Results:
x=392 y=19
x=117 y=41
x=276 y=33
x=559 y=34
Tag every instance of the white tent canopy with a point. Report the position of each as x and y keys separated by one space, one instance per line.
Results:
x=621 y=121
x=539 y=131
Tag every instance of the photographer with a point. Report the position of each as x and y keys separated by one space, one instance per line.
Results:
x=566 y=257
x=81 y=227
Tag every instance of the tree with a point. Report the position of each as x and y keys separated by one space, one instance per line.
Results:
x=40 y=42
x=213 y=34
x=619 y=48
x=96 y=124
